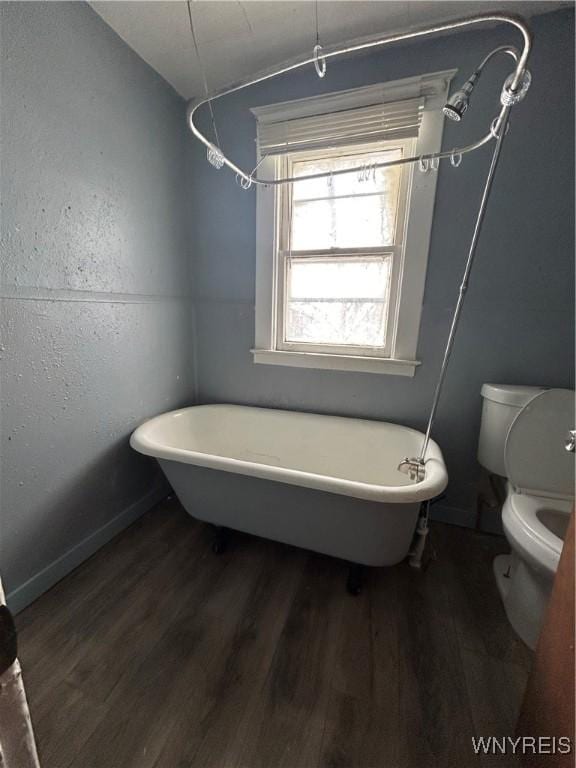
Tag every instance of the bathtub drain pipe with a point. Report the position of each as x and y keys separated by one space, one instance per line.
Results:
x=420 y=536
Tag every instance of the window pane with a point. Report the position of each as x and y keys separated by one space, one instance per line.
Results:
x=382 y=180
x=342 y=211
x=337 y=323
x=337 y=278
x=338 y=301
x=346 y=222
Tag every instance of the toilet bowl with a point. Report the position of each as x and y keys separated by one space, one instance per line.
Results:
x=540 y=496
x=535 y=529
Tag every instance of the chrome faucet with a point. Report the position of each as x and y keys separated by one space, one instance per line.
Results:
x=570 y=444
x=414 y=468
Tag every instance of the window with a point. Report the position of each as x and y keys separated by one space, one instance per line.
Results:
x=341 y=260
x=339 y=251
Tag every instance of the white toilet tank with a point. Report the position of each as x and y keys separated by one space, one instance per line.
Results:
x=501 y=404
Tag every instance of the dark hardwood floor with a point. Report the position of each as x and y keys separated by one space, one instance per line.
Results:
x=156 y=653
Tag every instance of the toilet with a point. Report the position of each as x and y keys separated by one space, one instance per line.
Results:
x=523 y=438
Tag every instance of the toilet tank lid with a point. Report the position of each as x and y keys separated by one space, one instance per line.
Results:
x=509 y=394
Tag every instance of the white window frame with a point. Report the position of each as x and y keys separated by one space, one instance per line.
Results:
x=284 y=167
x=411 y=256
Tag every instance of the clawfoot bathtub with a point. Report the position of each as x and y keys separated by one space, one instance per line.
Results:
x=325 y=483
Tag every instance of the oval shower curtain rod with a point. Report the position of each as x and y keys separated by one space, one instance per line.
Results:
x=513 y=91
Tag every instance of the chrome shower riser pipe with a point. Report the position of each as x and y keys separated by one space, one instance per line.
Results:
x=503 y=127
x=487 y=18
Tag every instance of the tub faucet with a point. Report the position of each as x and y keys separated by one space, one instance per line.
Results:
x=570 y=444
x=415 y=468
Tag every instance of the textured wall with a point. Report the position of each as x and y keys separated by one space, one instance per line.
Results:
x=96 y=333
x=518 y=323
x=95 y=324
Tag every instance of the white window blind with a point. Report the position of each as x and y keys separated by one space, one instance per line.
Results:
x=376 y=122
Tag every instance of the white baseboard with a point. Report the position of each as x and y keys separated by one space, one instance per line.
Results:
x=41 y=582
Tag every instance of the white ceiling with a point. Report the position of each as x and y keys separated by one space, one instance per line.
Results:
x=237 y=39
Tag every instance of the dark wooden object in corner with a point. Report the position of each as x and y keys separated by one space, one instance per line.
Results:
x=548 y=707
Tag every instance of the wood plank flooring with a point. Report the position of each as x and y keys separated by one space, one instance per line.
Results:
x=156 y=653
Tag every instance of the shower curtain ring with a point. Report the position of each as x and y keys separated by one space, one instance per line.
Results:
x=423 y=164
x=435 y=163
x=495 y=127
x=455 y=158
x=319 y=61
x=244 y=182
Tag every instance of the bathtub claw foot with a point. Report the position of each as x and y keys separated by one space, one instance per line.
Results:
x=355 y=580
x=220 y=541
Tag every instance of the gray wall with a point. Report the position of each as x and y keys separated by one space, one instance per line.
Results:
x=518 y=324
x=95 y=324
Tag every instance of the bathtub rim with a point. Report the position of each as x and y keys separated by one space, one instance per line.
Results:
x=434 y=483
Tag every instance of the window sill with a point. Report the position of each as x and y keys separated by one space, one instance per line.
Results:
x=336 y=362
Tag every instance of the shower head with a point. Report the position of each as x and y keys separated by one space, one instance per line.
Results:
x=458 y=103
x=455 y=107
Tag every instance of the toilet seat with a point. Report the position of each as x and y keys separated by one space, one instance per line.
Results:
x=528 y=534
x=540 y=496
x=541 y=477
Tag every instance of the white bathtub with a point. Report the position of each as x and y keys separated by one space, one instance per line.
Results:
x=325 y=483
